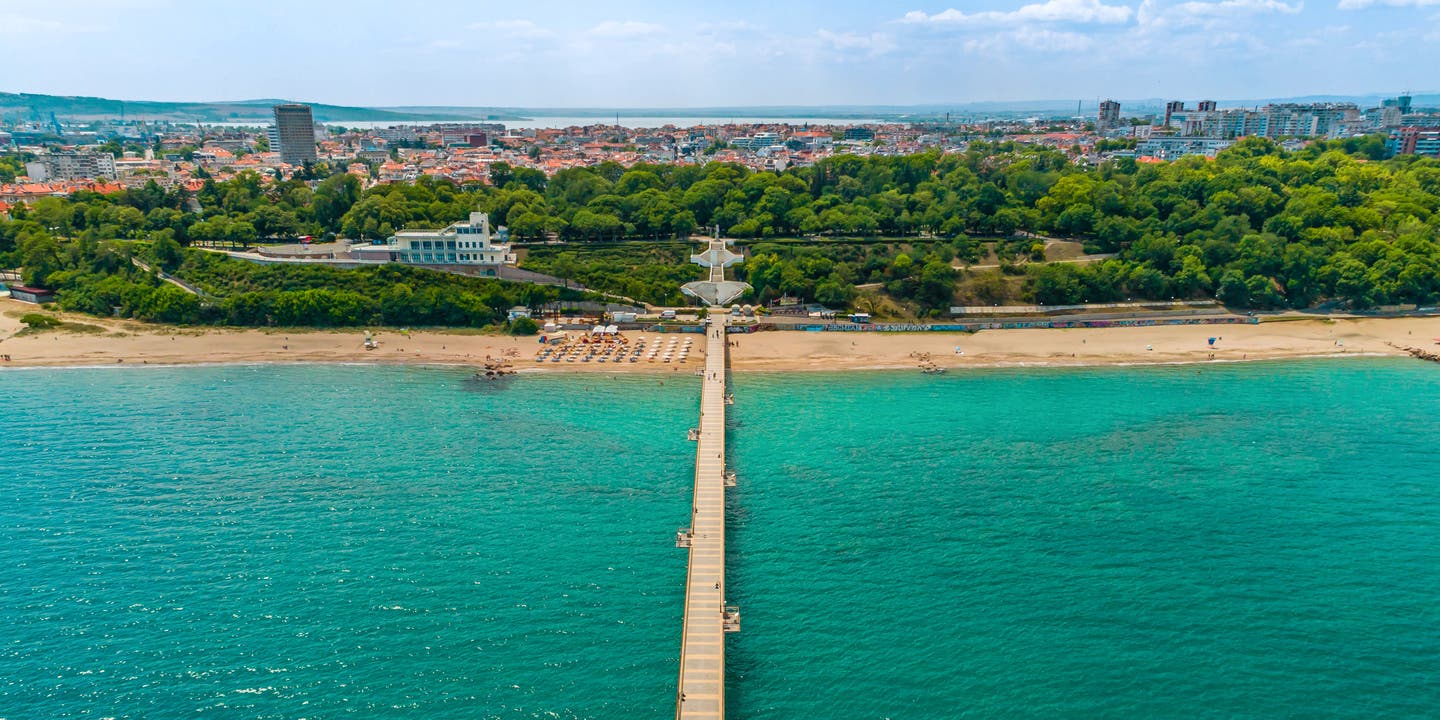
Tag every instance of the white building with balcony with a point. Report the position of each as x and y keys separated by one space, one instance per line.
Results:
x=72 y=166
x=469 y=243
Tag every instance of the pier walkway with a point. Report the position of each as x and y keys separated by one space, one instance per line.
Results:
x=701 y=692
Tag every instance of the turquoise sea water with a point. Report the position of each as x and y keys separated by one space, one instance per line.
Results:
x=1240 y=541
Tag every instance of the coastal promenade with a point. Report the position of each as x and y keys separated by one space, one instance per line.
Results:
x=701 y=692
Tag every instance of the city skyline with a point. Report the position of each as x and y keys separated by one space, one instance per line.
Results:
x=646 y=54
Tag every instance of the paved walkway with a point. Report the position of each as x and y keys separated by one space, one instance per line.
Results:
x=702 y=648
x=187 y=287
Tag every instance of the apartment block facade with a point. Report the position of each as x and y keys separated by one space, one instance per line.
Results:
x=294 y=134
x=79 y=165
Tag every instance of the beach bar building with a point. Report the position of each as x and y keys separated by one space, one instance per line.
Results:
x=28 y=294
x=468 y=243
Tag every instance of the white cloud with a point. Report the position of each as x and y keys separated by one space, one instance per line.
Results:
x=874 y=43
x=1241 y=40
x=1052 y=41
x=1072 y=11
x=625 y=29
x=1233 y=8
x=1037 y=39
x=516 y=29
x=1211 y=14
x=1362 y=4
x=1328 y=36
x=24 y=25
x=12 y=24
x=727 y=26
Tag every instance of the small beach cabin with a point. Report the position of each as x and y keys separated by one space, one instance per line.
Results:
x=34 y=295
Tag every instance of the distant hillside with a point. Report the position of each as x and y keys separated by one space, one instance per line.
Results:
x=23 y=106
x=27 y=106
x=721 y=112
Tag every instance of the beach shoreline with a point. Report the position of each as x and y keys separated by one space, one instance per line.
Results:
x=112 y=342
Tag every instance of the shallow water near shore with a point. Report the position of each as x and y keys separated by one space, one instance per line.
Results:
x=323 y=541
x=1240 y=541
x=1251 y=540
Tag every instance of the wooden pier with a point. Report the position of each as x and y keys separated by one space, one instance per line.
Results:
x=701 y=692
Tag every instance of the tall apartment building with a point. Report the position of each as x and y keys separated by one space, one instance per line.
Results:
x=1188 y=122
x=1314 y=120
x=1235 y=123
x=1109 y=117
x=1191 y=123
x=1272 y=121
x=1172 y=107
x=461 y=134
x=1171 y=147
x=759 y=141
x=294 y=134
x=1207 y=129
x=1393 y=111
x=399 y=133
x=1414 y=141
x=71 y=166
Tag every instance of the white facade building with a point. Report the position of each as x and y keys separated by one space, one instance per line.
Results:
x=71 y=166
x=1172 y=147
x=468 y=243
x=758 y=141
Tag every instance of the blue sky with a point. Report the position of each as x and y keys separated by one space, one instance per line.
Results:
x=638 y=53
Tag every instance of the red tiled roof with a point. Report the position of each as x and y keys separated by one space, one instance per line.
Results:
x=32 y=290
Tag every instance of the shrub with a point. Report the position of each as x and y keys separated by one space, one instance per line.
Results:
x=37 y=321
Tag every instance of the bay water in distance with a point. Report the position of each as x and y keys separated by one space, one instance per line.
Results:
x=540 y=122
x=1239 y=541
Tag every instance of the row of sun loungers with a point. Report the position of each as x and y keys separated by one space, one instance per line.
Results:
x=673 y=349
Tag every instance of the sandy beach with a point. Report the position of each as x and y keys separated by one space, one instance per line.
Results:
x=1087 y=346
x=112 y=342
x=115 y=342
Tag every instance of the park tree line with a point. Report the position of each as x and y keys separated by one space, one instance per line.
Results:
x=104 y=278
x=1256 y=227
